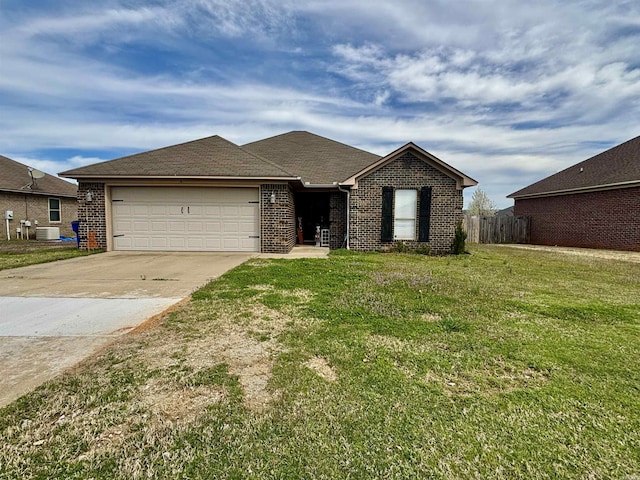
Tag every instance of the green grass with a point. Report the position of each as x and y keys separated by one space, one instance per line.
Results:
x=20 y=253
x=501 y=364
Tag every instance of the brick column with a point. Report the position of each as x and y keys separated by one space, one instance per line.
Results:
x=92 y=216
x=277 y=220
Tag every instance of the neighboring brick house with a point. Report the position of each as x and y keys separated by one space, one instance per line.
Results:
x=266 y=196
x=44 y=202
x=593 y=204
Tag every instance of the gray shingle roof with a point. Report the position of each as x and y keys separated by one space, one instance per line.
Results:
x=14 y=177
x=618 y=165
x=315 y=159
x=207 y=157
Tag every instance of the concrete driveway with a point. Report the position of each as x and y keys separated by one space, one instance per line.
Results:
x=55 y=314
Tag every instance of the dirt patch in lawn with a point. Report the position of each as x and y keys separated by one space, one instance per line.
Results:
x=244 y=337
x=322 y=368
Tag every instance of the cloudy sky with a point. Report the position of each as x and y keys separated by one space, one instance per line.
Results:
x=508 y=91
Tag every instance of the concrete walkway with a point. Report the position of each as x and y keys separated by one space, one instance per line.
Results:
x=55 y=314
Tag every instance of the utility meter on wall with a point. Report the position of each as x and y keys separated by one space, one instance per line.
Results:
x=8 y=215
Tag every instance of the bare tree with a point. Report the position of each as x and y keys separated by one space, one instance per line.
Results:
x=481 y=204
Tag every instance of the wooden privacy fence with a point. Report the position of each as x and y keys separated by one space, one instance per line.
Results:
x=496 y=229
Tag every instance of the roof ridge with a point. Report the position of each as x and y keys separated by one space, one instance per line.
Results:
x=314 y=135
x=273 y=164
x=259 y=157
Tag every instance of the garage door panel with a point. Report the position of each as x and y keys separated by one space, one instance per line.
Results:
x=213 y=227
x=247 y=228
x=122 y=243
x=185 y=218
x=159 y=210
x=213 y=243
x=141 y=226
x=250 y=244
x=121 y=209
x=248 y=211
x=140 y=210
x=176 y=242
x=230 y=227
x=231 y=243
x=230 y=211
x=194 y=226
x=158 y=242
x=195 y=243
x=176 y=226
x=123 y=226
x=141 y=242
x=212 y=210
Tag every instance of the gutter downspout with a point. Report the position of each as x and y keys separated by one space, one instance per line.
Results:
x=348 y=192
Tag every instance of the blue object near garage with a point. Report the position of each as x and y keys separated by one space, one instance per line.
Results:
x=75 y=226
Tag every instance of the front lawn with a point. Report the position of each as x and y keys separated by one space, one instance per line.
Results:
x=501 y=364
x=20 y=253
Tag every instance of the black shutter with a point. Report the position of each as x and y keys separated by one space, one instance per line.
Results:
x=386 y=234
x=425 y=214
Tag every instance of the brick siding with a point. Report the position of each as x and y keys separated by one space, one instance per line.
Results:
x=92 y=216
x=36 y=208
x=277 y=220
x=406 y=172
x=608 y=219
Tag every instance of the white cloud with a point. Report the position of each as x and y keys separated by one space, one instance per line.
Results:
x=91 y=22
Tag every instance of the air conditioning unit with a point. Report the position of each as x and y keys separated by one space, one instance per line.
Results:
x=48 y=233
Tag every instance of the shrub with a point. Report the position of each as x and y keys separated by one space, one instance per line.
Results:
x=460 y=236
x=401 y=247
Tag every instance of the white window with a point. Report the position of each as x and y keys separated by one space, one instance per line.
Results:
x=54 y=210
x=404 y=216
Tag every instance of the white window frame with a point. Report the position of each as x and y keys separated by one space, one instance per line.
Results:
x=59 y=210
x=406 y=214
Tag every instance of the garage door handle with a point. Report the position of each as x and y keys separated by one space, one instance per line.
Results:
x=188 y=209
x=181 y=209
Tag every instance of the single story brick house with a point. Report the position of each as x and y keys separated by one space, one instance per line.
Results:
x=43 y=202
x=268 y=195
x=593 y=204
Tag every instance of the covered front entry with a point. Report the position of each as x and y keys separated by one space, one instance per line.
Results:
x=185 y=219
x=312 y=211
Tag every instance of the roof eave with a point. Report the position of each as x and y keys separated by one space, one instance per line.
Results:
x=34 y=192
x=593 y=188
x=176 y=177
x=320 y=185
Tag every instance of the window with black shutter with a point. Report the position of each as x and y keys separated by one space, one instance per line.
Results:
x=386 y=234
x=425 y=214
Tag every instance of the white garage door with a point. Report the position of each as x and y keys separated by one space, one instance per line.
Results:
x=185 y=219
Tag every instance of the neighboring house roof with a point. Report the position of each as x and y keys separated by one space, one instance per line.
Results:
x=617 y=167
x=462 y=180
x=317 y=160
x=505 y=212
x=15 y=178
x=210 y=157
